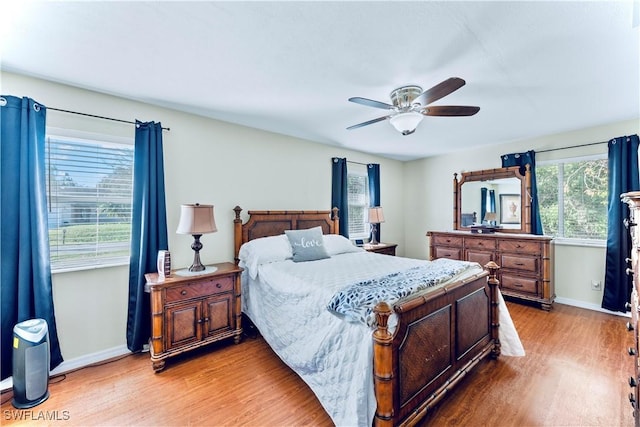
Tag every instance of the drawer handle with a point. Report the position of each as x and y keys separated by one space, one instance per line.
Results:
x=183 y=292
x=519 y=263
x=629 y=326
x=631 y=351
x=518 y=285
x=218 y=285
x=480 y=244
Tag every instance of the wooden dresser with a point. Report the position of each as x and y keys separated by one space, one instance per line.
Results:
x=633 y=200
x=188 y=312
x=524 y=260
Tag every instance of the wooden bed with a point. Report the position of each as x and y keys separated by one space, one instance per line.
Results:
x=439 y=336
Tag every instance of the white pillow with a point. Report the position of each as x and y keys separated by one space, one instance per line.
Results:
x=263 y=250
x=336 y=244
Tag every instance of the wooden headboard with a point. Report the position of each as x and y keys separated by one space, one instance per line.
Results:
x=273 y=223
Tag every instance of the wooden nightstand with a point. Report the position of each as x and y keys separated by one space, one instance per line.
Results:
x=188 y=312
x=381 y=248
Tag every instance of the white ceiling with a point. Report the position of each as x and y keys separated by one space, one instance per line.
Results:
x=534 y=68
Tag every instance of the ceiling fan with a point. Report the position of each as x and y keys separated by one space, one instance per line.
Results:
x=410 y=105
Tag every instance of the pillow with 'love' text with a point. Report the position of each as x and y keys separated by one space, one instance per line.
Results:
x=307 y=245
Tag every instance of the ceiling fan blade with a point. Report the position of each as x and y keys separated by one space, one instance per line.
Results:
x=371 y=103
x=439 y=91
x=450 y=110
x=359 y=125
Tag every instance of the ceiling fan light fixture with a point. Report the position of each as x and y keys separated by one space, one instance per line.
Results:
x=406 y=123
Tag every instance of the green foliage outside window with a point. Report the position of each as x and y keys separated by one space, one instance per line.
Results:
x=573 y=198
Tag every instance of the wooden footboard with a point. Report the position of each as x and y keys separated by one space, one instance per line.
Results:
x=439 y=337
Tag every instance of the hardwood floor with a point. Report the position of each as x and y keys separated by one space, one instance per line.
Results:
x=574 y=374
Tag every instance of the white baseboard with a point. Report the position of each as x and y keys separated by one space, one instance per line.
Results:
x=588 y=306
x=78 y=362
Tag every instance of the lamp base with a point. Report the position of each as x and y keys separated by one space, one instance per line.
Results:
x=187 y=273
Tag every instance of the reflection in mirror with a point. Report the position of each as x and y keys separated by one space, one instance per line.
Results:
x=485 y=202
x=495 y=198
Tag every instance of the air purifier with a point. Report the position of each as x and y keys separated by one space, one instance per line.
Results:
x=30 y=363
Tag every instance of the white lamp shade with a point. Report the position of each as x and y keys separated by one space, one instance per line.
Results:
x=196 y=219
x=376 y=216
x=406 y=122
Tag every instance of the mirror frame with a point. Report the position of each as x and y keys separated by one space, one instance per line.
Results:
x=491 y=174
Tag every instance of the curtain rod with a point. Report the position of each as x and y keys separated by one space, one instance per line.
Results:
x=97 y=117
x=358 y=163
x=572 y=146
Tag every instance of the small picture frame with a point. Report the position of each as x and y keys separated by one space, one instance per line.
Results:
x=510 y=209
x=164 y=264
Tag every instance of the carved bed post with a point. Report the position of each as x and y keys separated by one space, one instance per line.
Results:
x=237 y=233
x=493 y=282
x=382 y=366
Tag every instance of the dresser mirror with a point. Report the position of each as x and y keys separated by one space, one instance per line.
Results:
x=503 y=192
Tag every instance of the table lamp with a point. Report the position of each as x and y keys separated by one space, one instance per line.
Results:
x=376 y=216
x=196 y=219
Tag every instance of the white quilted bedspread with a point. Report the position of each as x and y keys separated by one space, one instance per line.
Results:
x=287 y=302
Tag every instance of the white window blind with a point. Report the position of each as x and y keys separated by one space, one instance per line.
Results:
x=89 y=189
x=358 y=193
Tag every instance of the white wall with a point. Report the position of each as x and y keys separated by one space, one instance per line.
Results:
x=206 y=161
x=431 y=180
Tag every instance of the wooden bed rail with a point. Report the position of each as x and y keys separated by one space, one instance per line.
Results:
x=387 y=347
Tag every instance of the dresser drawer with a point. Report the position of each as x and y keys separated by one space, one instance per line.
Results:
x=437 y=240
x=202 y=288
x=519 y=246
x=451 y=253
x=480 y=257
x=519 y=262
x=519 y=284
x=482 y=244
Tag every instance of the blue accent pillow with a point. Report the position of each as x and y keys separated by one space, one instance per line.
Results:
x=307 y=245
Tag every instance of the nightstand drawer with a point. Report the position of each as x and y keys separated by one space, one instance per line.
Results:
x=203 y=288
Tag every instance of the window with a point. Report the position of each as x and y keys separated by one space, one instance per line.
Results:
x=358 y=190
x=89 y=188
x=573 y=197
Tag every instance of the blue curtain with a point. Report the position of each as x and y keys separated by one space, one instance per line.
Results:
x=148 y=228
x=523 y=159
x=373 y=174
x=483 y=203
x=25 y=279
x=492 y=200
x=623 y=177
x=339 y=192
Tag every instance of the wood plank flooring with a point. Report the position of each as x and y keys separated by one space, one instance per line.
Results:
x=574 y=374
